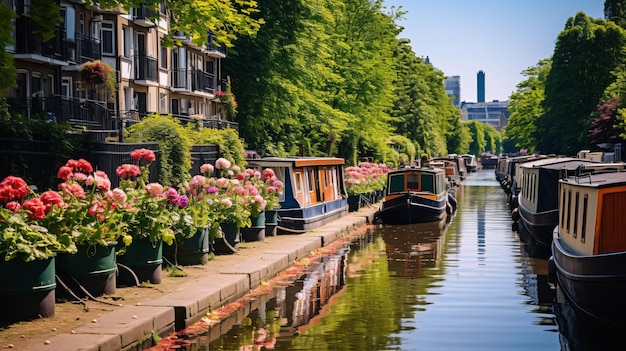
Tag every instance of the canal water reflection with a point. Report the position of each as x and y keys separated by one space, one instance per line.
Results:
x=463 y=285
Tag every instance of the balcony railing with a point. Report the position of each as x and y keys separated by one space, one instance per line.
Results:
x=202 y=81
x=213 y=49
x=146 y=68
x=90 y=48
x=180 y=79
x=90 y=114
x=143 y=15
x=28 y=43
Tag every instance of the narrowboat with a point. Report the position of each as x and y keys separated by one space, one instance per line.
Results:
x=589 y=245
x=415 y=195
x=452 y=170
x=470 y=162
x=537 y=206
x=314 y=192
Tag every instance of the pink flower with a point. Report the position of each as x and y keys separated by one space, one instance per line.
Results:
x=226 y=202
x=222 y=163
x=206 y=168
x=143 y=153
x=118 y=195
x=154 y=189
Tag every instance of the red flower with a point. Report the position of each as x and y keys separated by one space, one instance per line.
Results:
x=12 y=188
x=146 y=154
x=51 y=198
x=126 y=171
x=64 y=173
x=36 y=208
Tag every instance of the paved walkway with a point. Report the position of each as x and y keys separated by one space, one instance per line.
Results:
x=176 y=303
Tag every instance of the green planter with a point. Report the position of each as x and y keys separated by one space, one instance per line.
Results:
x=271 y=223
x=141 y=262
x=354 y=203
x=191 y=251
x=93 y=268
x=230 y=241
x=256 y=232
x=27 y=289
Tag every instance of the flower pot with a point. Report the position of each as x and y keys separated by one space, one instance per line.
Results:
x=91 y=268
x=191 y=251
x=354 y=203
x=27 y=289
x=271 y=223
x=256 y=232
x=141 y=262
x=231 y=237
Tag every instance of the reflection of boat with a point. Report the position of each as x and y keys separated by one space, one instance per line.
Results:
x=538 y=199
x=412 y=248
x=414 y=195
x=314 y=192
x=589 y=245
x=577 y=332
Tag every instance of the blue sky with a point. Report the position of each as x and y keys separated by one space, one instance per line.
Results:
x=500 y=37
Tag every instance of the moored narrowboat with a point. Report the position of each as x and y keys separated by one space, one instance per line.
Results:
x=589 y=245
x=537 y=201
x=314 y=191
x=415 y=195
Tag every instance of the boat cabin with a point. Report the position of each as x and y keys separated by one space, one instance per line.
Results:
x=591 y=213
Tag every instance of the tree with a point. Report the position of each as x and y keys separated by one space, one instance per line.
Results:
x=586 y=53
x=615 y=11
x=477 y=131
x=525 y=107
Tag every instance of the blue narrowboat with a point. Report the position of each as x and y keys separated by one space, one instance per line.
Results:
x=314 y=191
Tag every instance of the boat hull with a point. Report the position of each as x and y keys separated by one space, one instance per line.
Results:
x=299 y=220
x=409 y=209
x=538 y=225
x=594 y=284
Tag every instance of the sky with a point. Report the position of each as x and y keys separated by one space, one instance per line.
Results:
x=500 y=37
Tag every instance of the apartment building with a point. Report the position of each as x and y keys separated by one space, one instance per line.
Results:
x=180 y=80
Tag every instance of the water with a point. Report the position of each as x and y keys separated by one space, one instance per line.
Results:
x=466 y=285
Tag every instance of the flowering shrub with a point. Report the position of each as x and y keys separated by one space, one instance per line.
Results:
x=366 y=178
x=23 y=215
x=147 y=214
x=273 y=188
x=98 y=72
x=94 y=214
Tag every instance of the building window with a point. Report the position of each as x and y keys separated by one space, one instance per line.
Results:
x=163 y=55
x=128 y=40
x=163 y=103
x=108 y=38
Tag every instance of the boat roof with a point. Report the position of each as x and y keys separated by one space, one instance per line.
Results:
x=543 y=162
x=598 y=180
x=433 y=170
x=298 y=161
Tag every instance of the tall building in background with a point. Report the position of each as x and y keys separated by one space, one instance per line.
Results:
x=480 y=86
x=453 y=89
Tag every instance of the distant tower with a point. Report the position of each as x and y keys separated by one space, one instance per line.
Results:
x=480 y=78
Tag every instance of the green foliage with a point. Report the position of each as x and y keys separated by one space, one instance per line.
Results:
x=231 y=145
x=7 y=68
x=525 y=107
x=587 y=52
x=174 y=146
x=45 y=14
x=404 y=146
x=477 y=131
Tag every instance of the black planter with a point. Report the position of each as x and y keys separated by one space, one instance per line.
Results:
x=92 y=268
x=141 y=262
x=230 y=241
x=190 y=251
x=256 y=232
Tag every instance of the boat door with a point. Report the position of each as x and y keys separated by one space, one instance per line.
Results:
x=312 y=185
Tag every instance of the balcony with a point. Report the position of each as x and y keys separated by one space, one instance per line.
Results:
x=146 y=68
x=143 y=16
x=212 y=49
x=180 y=79
x=89 y=48
x=30 y=47
x=202 y=81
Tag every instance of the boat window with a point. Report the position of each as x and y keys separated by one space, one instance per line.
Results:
x=311 y=173
x=428 y=182
x=396 y=183
x=576 y=214
x=298 y=177
x=583 y=228
x=569 y=209
x=562 y=207
x=412 y=181
x=326 y=177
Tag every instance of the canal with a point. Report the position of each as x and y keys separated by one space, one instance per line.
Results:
x=465 y=284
